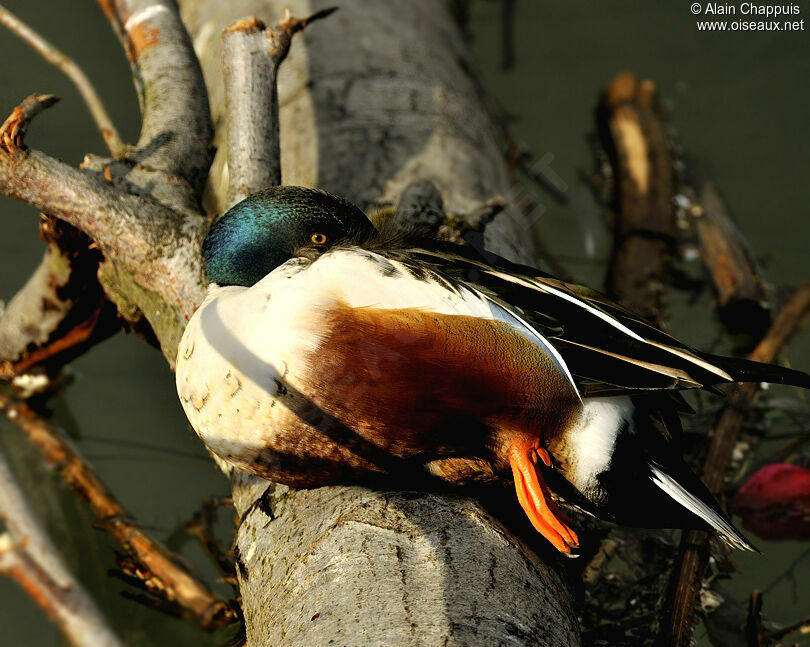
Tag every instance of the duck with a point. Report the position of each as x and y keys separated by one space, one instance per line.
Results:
x=329 y=351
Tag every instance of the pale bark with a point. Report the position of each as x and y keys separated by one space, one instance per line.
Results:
x=372 y=99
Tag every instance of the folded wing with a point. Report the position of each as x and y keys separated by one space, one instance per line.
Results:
x=608 y=349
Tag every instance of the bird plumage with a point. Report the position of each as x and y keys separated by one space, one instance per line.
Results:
x=326 y=351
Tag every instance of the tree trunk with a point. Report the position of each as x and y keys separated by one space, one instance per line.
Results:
x=372 y=98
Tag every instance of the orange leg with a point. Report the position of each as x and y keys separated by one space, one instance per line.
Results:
x=534 y=496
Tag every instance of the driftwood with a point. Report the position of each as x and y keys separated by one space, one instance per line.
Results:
x=160 y=571
x=741 y=294
x=632 y=134
x=644 y=184
x=373 y=98
x=28 y=556
x=679 y=610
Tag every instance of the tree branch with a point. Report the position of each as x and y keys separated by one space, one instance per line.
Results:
x=87 y=202
x=176 y=129
x=251 y=56
x=342 y=133
x=156 y=243
x=12 y=132
x=50 y=53
x=28 y=556
x=60 y=310
x=632 y=133
x=676 y=624
x=161 y=570
x=741 y=293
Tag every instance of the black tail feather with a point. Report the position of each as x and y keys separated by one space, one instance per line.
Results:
x=745 y=370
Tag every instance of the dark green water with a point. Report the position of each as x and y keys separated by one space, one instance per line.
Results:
x=739 y=103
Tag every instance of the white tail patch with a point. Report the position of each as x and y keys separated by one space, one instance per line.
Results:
x=591 y=441
x=689 y=501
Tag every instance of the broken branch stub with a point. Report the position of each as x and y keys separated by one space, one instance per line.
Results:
x=251 y=56
x=12 y=132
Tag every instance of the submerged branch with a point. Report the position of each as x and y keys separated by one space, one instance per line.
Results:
x=28 y=556
x=160 y=570
x=676 y=625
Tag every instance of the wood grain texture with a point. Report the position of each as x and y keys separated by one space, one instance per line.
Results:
x=351 y=566
x=632 y=132
x=372 y=98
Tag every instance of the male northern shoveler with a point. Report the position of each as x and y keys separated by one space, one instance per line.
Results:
x=326 y=351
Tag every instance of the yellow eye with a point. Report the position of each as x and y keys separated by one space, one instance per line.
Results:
x=318 y=239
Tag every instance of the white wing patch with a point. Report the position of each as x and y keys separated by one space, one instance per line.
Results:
x=590 y=442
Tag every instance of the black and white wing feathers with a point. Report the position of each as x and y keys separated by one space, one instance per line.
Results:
x=608 y=349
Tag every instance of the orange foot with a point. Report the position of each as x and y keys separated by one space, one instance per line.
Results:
x=534 y=496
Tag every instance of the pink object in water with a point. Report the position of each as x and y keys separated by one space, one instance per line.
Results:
x=775 y=502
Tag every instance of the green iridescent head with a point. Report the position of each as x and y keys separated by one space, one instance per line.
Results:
x=270 y=227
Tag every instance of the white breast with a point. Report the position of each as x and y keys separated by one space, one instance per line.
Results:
x=244 y=345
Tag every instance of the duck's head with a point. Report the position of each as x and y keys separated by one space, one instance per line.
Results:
x=272 y=226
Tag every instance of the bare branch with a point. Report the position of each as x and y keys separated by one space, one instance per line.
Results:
x=28 y=556
x=251 y=56
x=162 y=571
x=152 y=248
x=86 y=202
x=25 y=321
x=742 y=295
x=676 y=625
x=50 y=53
x=251 y=98
x=202 y=526
x=176 y=130
x=108 y=216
